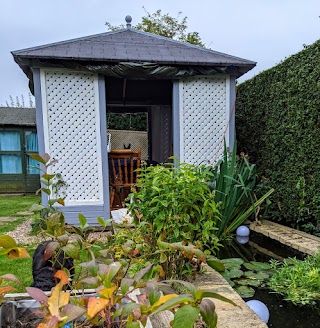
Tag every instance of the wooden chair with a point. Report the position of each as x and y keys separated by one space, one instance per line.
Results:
x=122 y=175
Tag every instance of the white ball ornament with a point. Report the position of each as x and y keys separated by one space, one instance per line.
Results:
x=242 y=240
x=243 y=231
x=260 y=309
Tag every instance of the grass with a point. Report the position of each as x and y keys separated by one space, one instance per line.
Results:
x=22 y=268
x=11 y=205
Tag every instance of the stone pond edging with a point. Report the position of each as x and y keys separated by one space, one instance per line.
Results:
x=293 y=238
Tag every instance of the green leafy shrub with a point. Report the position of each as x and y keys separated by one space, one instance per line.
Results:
x=176 y=204
x=114 y=304
x=178 y=260
x=298 y=281
x=277 y=123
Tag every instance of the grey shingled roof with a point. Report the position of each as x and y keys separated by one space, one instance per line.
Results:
x=133 y=46
x=17 y=116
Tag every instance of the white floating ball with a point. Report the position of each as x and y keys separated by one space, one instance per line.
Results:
x=243 y=231
x=260 y=309
x=242 y=240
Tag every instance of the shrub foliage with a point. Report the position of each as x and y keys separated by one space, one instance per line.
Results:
x=278 y=121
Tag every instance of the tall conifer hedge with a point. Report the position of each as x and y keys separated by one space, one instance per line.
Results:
x=278 y=125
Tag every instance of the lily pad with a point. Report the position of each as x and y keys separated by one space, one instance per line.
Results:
x=230 y=282
x=259 y=275
x=245 y=291
x=249 y=282
x=215 y=264
x=257 y=266
x=233 y=263
x=233 y=273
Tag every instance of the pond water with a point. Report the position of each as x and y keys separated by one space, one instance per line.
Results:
x=283 y=314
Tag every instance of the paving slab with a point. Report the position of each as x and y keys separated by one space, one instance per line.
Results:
x=4 y=219
x=229 y=316
x=296 y=239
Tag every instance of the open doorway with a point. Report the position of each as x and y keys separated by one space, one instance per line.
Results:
x=140 y=111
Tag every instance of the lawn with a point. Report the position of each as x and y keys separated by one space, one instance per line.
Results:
x=11 y=205
x=22 y=268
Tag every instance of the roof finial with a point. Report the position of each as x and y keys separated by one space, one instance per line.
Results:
x=128 y=20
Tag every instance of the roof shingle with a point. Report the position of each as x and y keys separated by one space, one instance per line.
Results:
x=17 y=116
x=132 y=45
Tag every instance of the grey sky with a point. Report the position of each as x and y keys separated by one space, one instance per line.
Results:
x=265 y=31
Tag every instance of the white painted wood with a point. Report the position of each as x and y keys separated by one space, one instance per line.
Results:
x=72 y=132
x=203 y=118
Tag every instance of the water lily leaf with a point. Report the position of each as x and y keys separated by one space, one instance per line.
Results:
x=232 y=263
x=245 y=291
x=257 y=266
x=230 y=282
x=248 y=282
x=233 y=273
x=259 y=275
x=215 y=264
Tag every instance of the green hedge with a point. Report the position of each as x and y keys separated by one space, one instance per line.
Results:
x=278 y=125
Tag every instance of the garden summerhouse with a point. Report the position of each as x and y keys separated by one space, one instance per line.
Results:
x=187 y=93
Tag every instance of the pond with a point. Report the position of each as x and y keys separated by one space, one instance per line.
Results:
x=283 y=314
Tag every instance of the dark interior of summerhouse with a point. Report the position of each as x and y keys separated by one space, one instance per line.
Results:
x=153 y=100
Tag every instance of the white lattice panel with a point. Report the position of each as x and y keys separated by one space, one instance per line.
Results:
x=73 y=133
x=203 y=118
x=136 y=139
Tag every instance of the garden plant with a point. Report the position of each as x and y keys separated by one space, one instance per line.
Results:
x=234 y=182
x=298 y=281
x=115 y=302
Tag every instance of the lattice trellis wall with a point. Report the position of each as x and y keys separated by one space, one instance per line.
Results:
x=71 y=113
x=203 y=118
x=136 y=139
